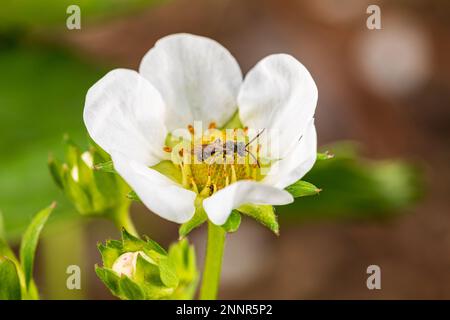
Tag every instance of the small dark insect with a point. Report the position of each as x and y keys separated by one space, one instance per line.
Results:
x=205 y=151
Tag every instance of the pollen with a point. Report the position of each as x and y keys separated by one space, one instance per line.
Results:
x=167 y=149
x=212 y=125
x=191 y=129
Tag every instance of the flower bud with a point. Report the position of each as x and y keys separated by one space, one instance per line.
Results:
x=93 y=192
x=126 y=264
x=137 y=269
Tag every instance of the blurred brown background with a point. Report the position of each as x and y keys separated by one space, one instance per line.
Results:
x=387 y=89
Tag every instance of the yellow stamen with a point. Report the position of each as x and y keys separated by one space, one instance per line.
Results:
x=233 y=174
x=206 y=192
x=194 y=186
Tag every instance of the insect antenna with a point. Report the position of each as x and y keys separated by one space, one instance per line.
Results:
x=248 y=151
x=256 y=137
x=254 y=158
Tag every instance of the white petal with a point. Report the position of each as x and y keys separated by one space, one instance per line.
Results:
x=296 y=163
x=124 y=112
x=160 y=194
x=218 y=207
x=280 y=95
x=197 y=77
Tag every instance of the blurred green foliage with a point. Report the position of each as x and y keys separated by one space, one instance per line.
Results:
x=42 y=94
x=354 y=187
x=28 y=14
x=16 y=276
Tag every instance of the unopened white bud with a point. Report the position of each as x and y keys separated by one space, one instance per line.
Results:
x=87 y=158
x=126 y=263
x=74 y=173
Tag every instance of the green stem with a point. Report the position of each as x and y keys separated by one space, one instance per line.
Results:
x=122 y=220
x=213 y=262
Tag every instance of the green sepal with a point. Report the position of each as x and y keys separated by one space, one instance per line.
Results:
x=106 y=166
x=149 y=277
x=29 y=242
x=234 y=122
x=109 y=189
x=196 y=221
x=153 y=245
x=129 y=289
x=93 y=192
x=109 y=252
x=183 y=257
x=72 y=152
x=132 y=243
x=233 y=222
x=110 y=279
x=75 y=192
x=55 y=171
x=169 y=169
x=104 y=156
x=265 y=214
x=168 y=273
x=324 y=156
x=9 y=280
x=302 y=189
x=133 y=196
x=156 y=275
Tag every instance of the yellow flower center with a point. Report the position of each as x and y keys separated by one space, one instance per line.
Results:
x=213 y=159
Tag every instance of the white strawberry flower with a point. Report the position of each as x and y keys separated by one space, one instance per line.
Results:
x=185 y=79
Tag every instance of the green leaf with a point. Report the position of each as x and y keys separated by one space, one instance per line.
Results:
x=130 y=289
x=5 y=250
x=357 y=188
x=9 y=280
x=302 y=189
x=30 y=240
x=233 y=222
x=265 y=214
